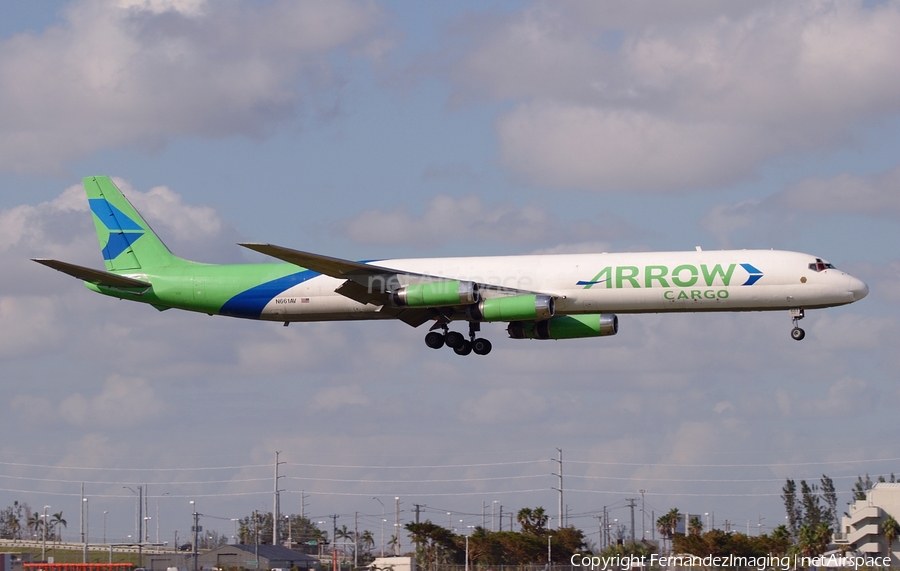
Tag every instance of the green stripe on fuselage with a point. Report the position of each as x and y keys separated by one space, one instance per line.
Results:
x=205 y=288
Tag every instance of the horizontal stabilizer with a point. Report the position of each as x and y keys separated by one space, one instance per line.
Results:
x=90 y=275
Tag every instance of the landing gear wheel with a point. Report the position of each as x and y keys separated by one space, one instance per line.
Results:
x=464 y=348
x=434 y=339
x=481 y=346
x=797 y=314
x=454 y=339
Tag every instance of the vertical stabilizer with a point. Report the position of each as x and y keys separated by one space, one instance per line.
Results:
x=126 y=240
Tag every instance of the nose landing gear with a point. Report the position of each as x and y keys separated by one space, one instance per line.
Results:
x=456 y=341
x=797 y=334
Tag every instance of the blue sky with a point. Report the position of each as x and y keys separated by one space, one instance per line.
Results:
x=375 y=130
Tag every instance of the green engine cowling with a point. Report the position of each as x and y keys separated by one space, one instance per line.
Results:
x=566 y=327
x=512 y=308
x=436 y=294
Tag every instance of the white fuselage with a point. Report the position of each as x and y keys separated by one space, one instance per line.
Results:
x=644 y=282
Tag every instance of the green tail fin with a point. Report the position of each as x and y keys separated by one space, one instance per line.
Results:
x=127 y=241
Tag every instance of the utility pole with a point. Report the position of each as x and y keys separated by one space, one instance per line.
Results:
x=355 y=539
x=194 y=531
x=604 y=535
x=397 y=526
x=140 y=536
x=418 y=506
x=631 y=502
x=81 y=525
x=303 y=497
x=643 y=532
x=334 y=532
x=559 y=474
x=146 y=535
x=276 y=503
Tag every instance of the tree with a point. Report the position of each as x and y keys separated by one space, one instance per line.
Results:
x=432 y=542
x=11 y=521
x=35 y=524
x=792 y=506
x=56 y=523
x=695 y=526
x=532 y=521
x=831 y=500
x=861 y=487
x=890 y=529
x=814 y=539
x=367 y=541
x=345 y=534
x=667 y=524
x=812 y=505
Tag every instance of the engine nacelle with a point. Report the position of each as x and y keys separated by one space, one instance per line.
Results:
x=566 y=327
x=436 y=294
x=512 y=308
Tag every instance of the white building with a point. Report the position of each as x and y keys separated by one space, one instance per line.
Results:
x=861 y=527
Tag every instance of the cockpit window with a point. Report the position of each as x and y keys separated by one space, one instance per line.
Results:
x=820 y=265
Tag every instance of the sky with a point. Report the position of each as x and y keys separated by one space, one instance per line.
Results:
x=366 y=130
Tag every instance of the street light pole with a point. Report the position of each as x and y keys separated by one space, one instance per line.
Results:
x=382 y=525
x=85 y=536
x=44 y=536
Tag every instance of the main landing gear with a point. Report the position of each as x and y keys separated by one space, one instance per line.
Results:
x=456 y=341
x=797 y=334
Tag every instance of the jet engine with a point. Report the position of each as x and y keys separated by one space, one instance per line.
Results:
x=436 y=294
x=512 y=308
x=566 y=327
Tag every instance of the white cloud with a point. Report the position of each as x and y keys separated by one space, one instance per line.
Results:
x=503 y=406
x=873 y=195
x=448 y=218
x=140 y=73
x=576 y=146
x=333 y=398
x=172 y=216
x=122 y=402
x=641 y=99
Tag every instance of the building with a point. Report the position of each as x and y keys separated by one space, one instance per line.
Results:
x=257 y=557
x=861 y=527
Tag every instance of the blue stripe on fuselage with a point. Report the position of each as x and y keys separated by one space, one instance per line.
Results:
x=250 y=303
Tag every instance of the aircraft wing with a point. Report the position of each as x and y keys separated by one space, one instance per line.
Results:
x=364 y=274
x=370 y=283
x=93 y=276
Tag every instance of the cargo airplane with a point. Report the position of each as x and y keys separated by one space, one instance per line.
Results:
x=563 y=296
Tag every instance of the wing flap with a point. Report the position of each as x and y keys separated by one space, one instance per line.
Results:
x=93 y=276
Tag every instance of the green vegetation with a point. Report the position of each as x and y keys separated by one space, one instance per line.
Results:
x=436 y=544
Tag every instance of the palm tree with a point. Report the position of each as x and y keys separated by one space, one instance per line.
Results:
x=814 y=539
x=890 y=528
x=367 y=540
x=667 y=524
x=35 y=523
x=345 y=534
x=56 y=520
x=695 y=526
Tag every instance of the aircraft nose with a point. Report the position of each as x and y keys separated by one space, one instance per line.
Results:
x=857 y=288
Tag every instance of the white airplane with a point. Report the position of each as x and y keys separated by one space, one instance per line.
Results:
x=539 y=296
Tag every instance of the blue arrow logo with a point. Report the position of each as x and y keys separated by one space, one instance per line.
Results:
x=755 y=274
